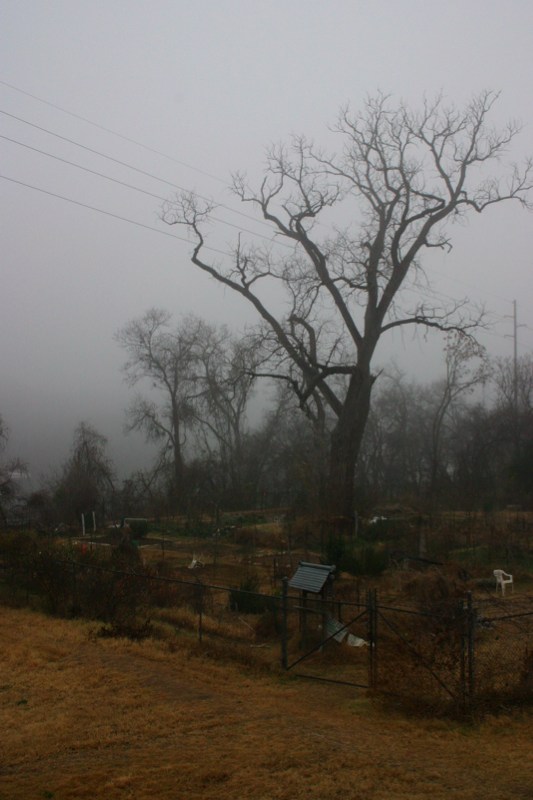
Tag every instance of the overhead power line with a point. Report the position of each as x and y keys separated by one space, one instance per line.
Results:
x=130 y=166
x=130 y=186
x=113 y=133
x=153 y=229
x=109 y=213
x=157 y=178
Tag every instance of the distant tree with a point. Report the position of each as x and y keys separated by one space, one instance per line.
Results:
x=87 y=480
x=165 y=357
x=479 y=457
x=11 y=470
x=514 y=383
x=393 y=459
x=409 y=445
x=225 y=387
x=201 y=379
x=355 y=226
x=467 y=367
x=513 y=379
x=144 y=493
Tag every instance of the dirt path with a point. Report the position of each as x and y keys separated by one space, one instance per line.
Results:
x=109 y=719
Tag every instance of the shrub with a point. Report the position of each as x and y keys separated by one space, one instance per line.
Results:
x=369 y=560
x=138 y=527
x=247 y=599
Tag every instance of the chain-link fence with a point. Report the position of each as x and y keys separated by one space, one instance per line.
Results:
x=458 y=656
x=461 y=654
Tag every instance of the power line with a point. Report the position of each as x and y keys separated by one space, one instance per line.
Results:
x=129 y=185
x=129 y=166
x=109 y=213
x=162 y=180
x=460 y=282
x=182 y=239
x=112 y=132
x=159 y=231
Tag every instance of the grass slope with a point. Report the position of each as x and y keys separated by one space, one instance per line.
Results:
x=95 y=718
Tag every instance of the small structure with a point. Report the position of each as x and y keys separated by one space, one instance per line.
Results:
x=314 y=579
x=503 y=579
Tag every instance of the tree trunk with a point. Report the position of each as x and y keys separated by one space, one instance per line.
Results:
x=178 y=469
x=346 y=441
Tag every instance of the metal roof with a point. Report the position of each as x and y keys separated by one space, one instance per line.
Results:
x=311 y=577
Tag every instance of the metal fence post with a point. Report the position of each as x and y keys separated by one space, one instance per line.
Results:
x=75 y=603
x=471 y=628
x=371 y=605
x=468 y=671
x=199 y=591
x=284 y=622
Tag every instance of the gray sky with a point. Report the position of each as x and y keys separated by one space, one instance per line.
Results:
x=208 y=86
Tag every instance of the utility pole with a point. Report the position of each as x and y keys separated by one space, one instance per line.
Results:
x=514 y=410
x=515 y=377
x=515 y=365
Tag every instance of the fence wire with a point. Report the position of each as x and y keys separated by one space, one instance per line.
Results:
x=465 y=654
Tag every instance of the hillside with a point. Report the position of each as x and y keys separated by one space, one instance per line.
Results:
x=84 y=717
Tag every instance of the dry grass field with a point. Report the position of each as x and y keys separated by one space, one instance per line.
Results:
x=86 y=717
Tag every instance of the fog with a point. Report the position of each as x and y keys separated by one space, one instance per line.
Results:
x=186 y=94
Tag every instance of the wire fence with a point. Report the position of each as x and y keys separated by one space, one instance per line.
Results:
x=462 y=655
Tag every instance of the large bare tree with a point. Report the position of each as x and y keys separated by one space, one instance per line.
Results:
x=350 y=232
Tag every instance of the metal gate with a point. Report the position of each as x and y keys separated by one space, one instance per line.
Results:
x=424 y=657
x=328 y=640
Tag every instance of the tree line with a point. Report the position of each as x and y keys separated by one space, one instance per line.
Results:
x=343 y=266
x=462 y=441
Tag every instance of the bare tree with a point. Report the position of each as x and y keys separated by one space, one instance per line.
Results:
x=467 y=367
x=349 y=233
x=166 y=358
x=514 y=383
x=203 y=380
x=87 y=479
x=10 y=471
x=225 y=384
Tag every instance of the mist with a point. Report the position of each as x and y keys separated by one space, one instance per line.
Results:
x=170 y=95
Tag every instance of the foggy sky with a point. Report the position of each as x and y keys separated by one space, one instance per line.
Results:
x=208 y=86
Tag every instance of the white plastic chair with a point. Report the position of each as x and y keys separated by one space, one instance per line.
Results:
x=502 y=580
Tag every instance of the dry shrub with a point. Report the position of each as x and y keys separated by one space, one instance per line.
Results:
x=180 y=618
x=420 y=652
x=435 y=592
x=246 y=535
x=268 y=626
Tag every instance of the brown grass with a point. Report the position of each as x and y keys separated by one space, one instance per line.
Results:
x=83 y=717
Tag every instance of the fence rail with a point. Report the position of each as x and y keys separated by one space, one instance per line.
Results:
x=464 y=655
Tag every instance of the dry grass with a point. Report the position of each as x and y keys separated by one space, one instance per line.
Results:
x=83 y=717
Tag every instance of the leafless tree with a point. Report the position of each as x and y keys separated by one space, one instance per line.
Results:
x=203 y=380
x=166 y=358
x=514 y=383
x=87 y=480
x=467 y=367
x=350 y=230
x=226 y=379
x=10 y=470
